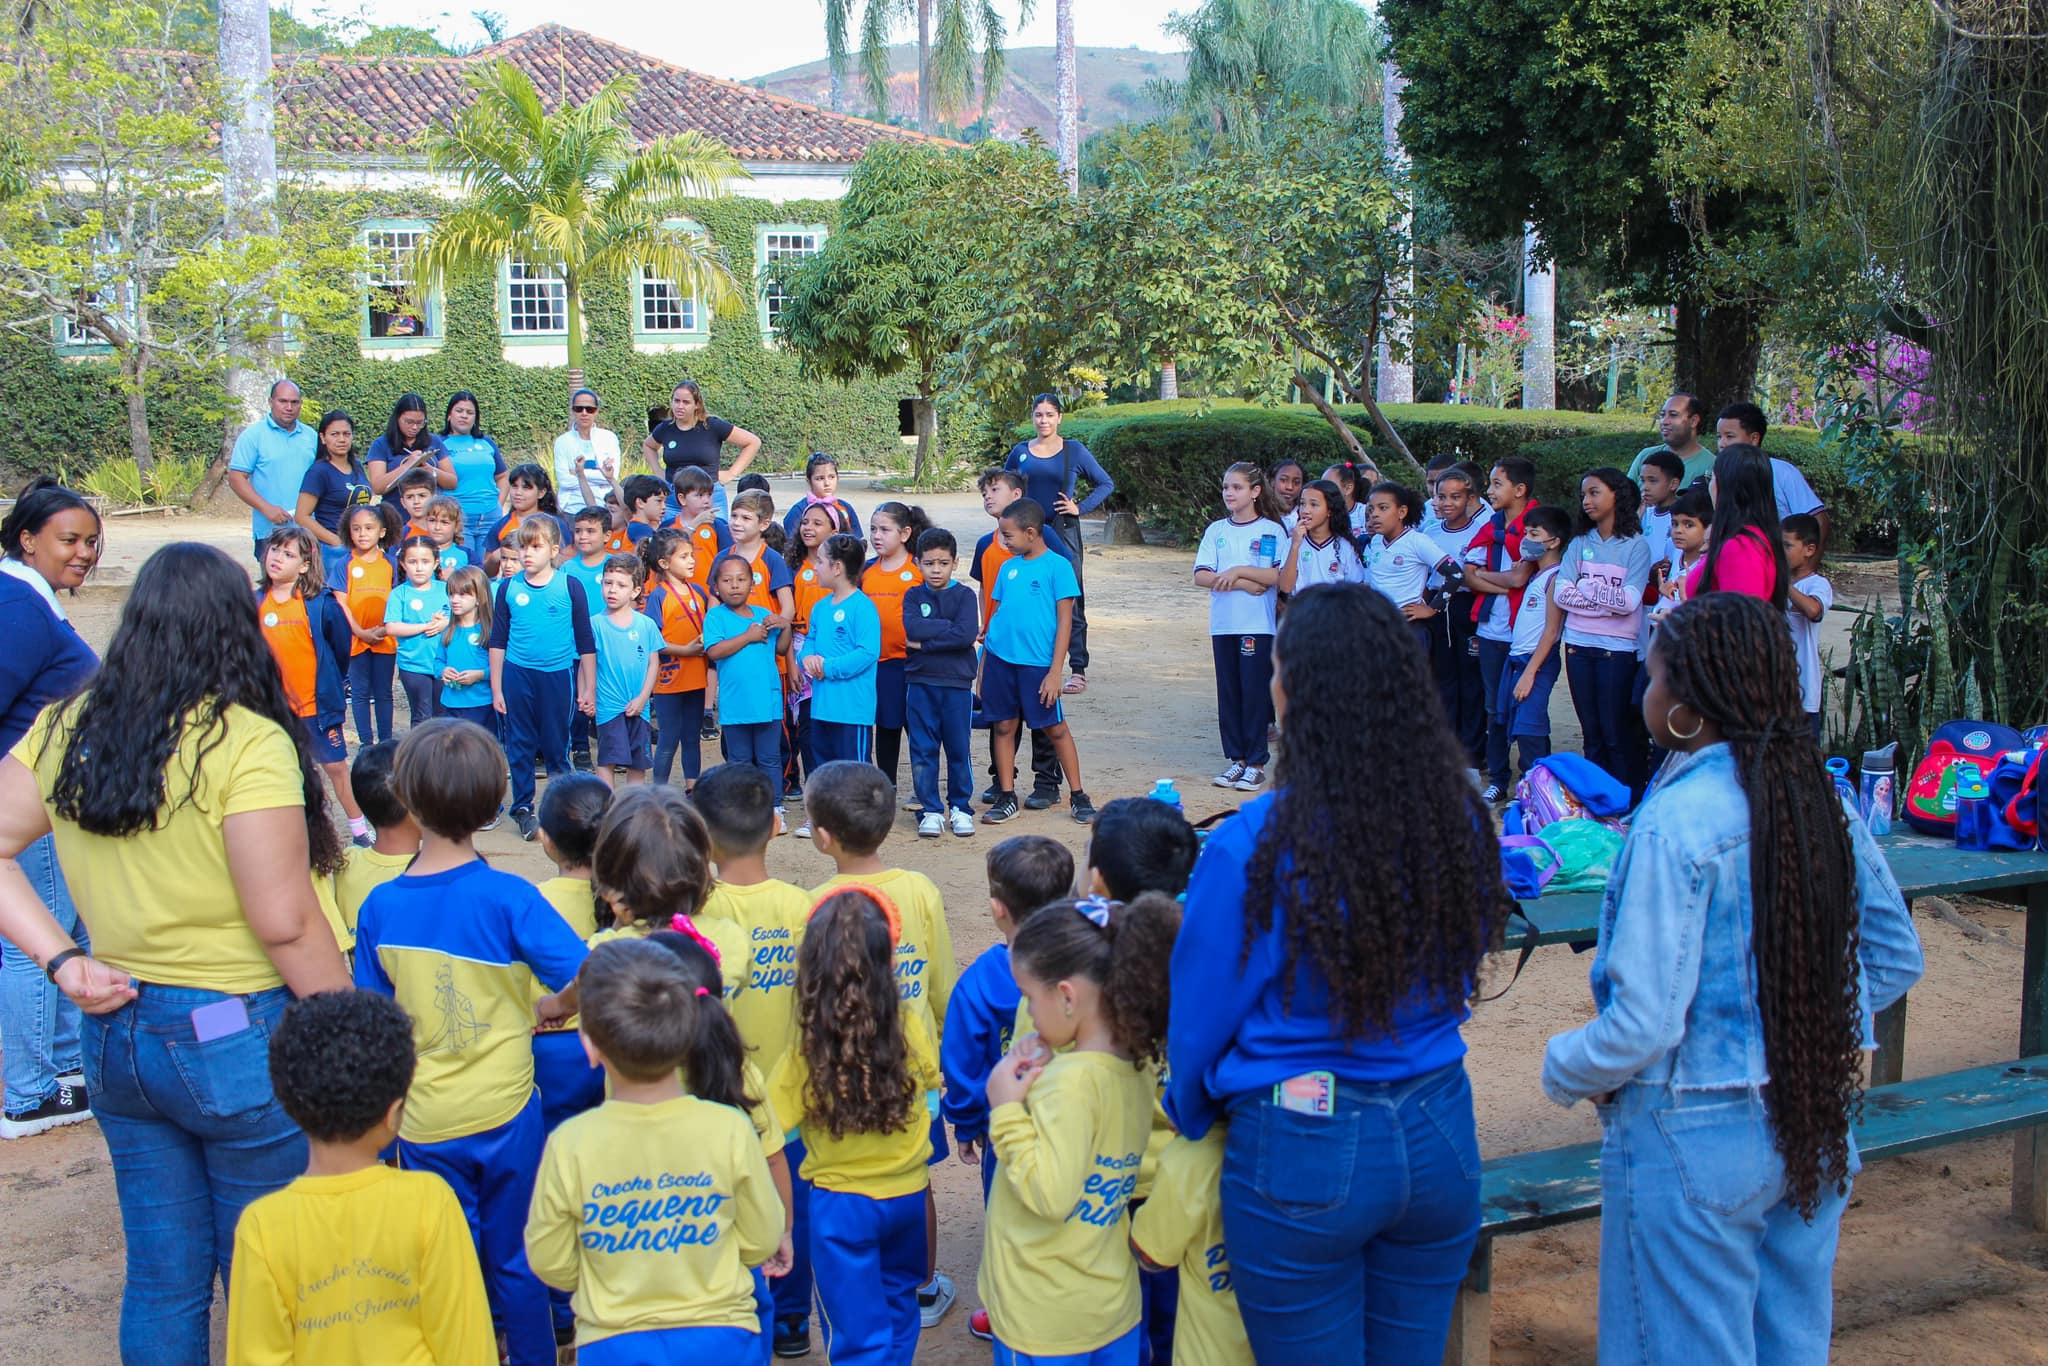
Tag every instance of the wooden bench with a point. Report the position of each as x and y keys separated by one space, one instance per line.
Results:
x=1529 y=1191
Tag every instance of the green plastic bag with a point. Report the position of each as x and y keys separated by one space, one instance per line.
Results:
x=1586 y=850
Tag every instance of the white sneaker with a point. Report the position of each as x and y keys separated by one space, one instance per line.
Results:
x=1250 y=779
x=802 y=832
x=963 y=822
x=934 y=1300
x=931 y=825
x=1229 y=776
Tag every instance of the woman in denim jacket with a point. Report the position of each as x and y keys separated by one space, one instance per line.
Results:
x=1737 y=982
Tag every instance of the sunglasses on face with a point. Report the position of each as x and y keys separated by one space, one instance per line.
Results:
x=583 y=408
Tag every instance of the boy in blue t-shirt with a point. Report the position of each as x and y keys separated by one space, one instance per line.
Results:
x=745 y=642
x=543 y=663
x=1021 y=668
x=628 y=658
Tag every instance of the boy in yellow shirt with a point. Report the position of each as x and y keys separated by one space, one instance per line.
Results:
x=852 y=807
x=354 y=1261
x=1181 y=1226
x=397 y=840
x=652 y=1207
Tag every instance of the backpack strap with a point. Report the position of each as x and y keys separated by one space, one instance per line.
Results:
x=1528 y=935
x=2031 y=784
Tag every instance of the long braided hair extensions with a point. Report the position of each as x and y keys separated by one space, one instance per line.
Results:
x=1730 y=657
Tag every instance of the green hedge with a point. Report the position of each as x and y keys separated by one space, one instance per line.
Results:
x=56 y=411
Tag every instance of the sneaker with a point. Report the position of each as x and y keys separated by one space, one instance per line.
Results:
x=1251 y=780
x=1039 y=801
x=802 y=832
x=492 y=823
x=931 y=825
x=794 y=794
x=1494 y=794
x=781 y=826
x=1004 y=809
x=581 y=761
x=709 y=730
x=793 y=1341
x=1229 y=776
x=978 y=1326
x=935 y=1299
x=528 y=823
x=989 y=796
x=1084 y=810
x=68 y=1104
x=962 y=822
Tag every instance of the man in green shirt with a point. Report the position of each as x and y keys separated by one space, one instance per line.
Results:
x=1679 y=423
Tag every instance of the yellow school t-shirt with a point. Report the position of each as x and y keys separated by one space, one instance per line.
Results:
x=925 y=968
x=370 y=1268
x=1162 y=1127
x=879 y=1166
x=652 y=1215
x=725 y=936
x=770 y=916
x=161 y=904
x=1181 y=1225
x=1057 y=1274
x=761 y=1114
x=573 y=898
x=365 y=871
x=330 y=911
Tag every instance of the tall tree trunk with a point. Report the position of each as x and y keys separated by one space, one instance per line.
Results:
x=924 y=66
x=1716 y=352
x=572 y=299
x=838 y=86
x=135 y=374
x=1396 y=378
x=925 y=418
x=248 y=140
x=1539 y=306
x=1066 y=96
x=1169 y=380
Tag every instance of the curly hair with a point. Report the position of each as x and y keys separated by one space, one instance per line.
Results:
x=851 y=1020
x=338 y=1059
x=1126 y=958
x=153 y=686
x=1628 y=502
x=714 y=1064
x=1389 y=893
x=653 y=855
x=1730 y=657
x=657 y=548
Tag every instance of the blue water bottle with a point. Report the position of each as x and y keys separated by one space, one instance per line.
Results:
x=1880 y=777
x=1164 y=791
x=1973 y=808
x=1838 y=769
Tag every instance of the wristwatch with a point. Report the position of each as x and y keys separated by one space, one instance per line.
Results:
x=58 y=960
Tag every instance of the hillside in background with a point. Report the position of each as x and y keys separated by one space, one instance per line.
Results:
x=1113 y=87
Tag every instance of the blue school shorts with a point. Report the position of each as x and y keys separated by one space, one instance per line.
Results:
x=1010 y=691
x=622 y=743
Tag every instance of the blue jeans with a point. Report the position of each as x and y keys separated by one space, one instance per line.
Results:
x=759 y=744
x=1493 y=660
x=369 y=693
x=422 y=696
x=679 y=721
x=1349 y=1233
x=1695 y=1230
x=196 y=1135
x=476 y=527
x=869 y=1258
x=1525 y=723
x=1602 y=681
x=940 y=725
x=38 y=1023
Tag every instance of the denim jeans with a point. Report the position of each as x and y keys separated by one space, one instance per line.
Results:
x=679 y=717
x=38 y=1023
x=759 y=744
x=1601 y=681
x=369 y=693
x=1695 y=1230
x=422 y=694
x=939 y=722
x=1349 y=1233
x=196 y=1135
x=1493 y=661
x=476 y=527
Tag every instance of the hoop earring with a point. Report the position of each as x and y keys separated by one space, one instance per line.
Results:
x=1678 y=734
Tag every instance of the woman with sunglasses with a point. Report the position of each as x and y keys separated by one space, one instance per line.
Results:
x=586 y=457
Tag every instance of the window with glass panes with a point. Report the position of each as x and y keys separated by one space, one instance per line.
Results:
x=782 y=245
x=663 y=307
x=536 y=301
x=393 y=312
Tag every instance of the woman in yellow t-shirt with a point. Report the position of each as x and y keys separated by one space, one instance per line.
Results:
x=189 y=821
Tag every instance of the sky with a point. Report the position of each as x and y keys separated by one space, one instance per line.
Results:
x=736 y=41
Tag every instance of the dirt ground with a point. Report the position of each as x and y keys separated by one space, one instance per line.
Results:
x=1933 y=1267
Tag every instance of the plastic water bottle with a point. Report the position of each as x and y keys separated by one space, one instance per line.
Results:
x=1164 y=791
x=1838 y=769
x=1973 y=808
x=1880 y=774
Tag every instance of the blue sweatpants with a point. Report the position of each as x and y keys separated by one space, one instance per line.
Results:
x=673 y=1347
x=860 y=1246
x=537 y=709
x=940 y=723
x=492 y=1175
x=793 y=1292
x=1122 y=1352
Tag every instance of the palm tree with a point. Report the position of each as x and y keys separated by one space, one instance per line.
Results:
x=1246 y=57
x=949 y=33
x=571 y=189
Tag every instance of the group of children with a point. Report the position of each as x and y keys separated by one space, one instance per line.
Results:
x=1478 y=577
x=662 y=1104
x=611 y=640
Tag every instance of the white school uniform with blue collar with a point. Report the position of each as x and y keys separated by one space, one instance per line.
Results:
x=1334 y=561
x=1401 y=567
x=1256 y=544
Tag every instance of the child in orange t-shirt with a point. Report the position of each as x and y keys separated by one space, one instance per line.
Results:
x=677 y=603
x=369 y=574
x=893 y=529
x=308 y=632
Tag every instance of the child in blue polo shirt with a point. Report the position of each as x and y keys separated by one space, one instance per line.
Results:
x=745 y=642
x=1026 y=649
x=841 y=652
x=628 y=658
x=543 y=663
x=416 y=615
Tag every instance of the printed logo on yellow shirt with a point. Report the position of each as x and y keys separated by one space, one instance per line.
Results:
x=1107 y=1190
x=910 y=968
x=459 y=1025
x=774 y=959
x=673 y=1211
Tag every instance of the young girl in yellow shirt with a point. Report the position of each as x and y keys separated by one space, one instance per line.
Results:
x=1069 y=1130
x=854 y=1086
x=651 y=863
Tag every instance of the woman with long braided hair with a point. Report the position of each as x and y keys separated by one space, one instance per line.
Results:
x=1333 y=932
x=1751 y=931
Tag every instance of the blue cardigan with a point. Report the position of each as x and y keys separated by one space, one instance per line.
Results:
x=44 y=660
x=331 y=643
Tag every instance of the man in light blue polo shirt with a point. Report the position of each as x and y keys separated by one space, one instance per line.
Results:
x=270 y=461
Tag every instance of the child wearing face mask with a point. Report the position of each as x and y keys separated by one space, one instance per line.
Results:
x=1521 y=705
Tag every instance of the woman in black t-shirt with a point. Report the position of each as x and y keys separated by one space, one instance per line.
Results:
x=692 y=436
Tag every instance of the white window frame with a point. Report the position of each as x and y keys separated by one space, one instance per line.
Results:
x=771 y=243
x=530 y=274
x=430 y=333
